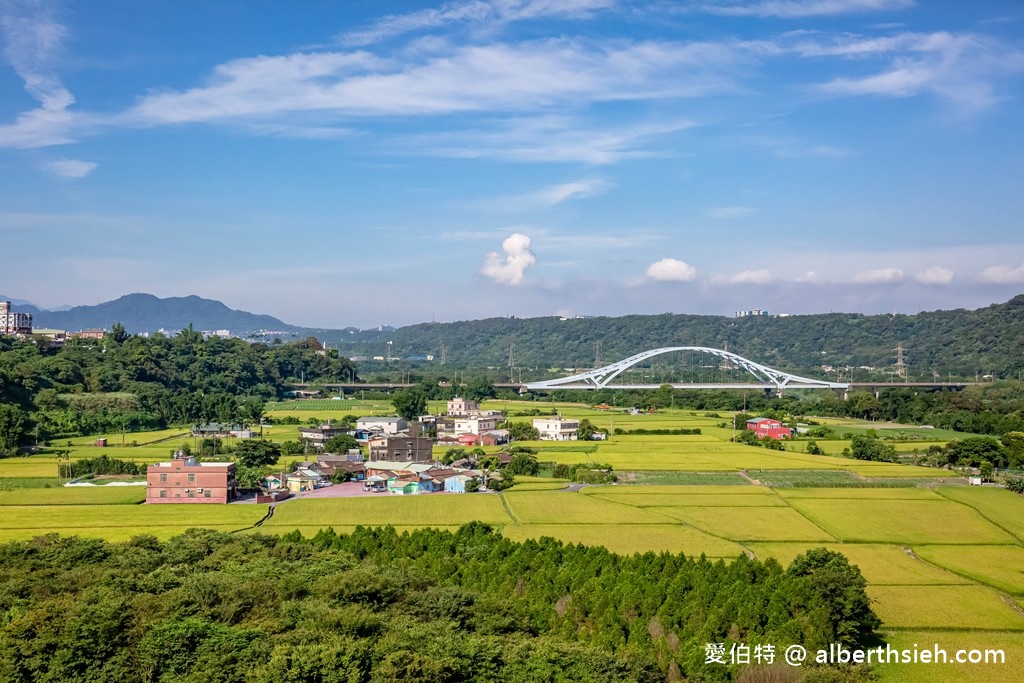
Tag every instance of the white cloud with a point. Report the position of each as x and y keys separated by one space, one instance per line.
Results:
x=936 y=275
x=960 y=69
x=1003 y=275
x=671 y=270
x=726 y=212
x=33 y=38
x=523 y=76
x=760 y=276
x=580 y=189
x=548 y=138
x=508 y=269
x=791 y=9
x=71 y=168
x=878 y=276
x=473 y=11
x=809 y=276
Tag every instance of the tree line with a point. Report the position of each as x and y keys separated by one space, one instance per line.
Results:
x=378 y=605
x=132 y=383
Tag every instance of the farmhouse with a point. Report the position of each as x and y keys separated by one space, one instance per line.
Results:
x=402 y=447
x=767 y=428
x=556 y=428
x=183 y=480
x=384 y=425
x=318 y=436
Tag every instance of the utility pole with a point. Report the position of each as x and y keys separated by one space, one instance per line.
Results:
x=444 y=354
x=597 y=354
x=511 y=366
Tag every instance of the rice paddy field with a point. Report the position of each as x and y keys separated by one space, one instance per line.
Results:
x=944 y=561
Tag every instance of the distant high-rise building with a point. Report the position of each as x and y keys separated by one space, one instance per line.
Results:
x=12 y=322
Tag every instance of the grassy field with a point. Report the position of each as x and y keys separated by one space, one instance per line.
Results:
x=959 y=607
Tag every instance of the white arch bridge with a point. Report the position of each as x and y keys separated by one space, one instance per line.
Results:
x=764 y=377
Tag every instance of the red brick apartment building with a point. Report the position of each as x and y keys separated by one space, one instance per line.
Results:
x=183 y=480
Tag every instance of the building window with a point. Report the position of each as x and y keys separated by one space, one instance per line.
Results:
x=191 y=477
x=163 y=478
x=207 y=494
x=190 y=494
x=163 y=494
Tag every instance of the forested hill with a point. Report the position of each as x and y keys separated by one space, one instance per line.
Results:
x=965 y=343
x=147 y=313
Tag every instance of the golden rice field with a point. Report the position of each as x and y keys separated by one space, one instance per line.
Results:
x=960 y=607
x=750 y=524
x=944 y=565
x=881 y=565
x=626 y=539
x=74 y=495
x=1001 y=566
x=901 y=521
x=1002 y=507
x=1009 y=642
x=423 y=511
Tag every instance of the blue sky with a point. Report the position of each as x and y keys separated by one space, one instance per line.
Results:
x=366 y=162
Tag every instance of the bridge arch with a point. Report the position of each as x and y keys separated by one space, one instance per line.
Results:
x=764 y=376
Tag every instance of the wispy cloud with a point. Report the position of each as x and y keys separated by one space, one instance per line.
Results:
x=726 y=212
x=961 y=69
x=671 y=270
x=523 y=76
x=509 y=267
x=549 y=138
x=33 y=38
x=473 y=12
x=1003 y=275
x=760 y=276
x=878 y=276
x=795 y=9
x=936 y=275
x=70 y=168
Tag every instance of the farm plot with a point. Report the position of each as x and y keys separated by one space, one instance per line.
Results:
x=626 y=539
x=950 y=642
x=26 y=521
x=999 y=505
x=707 y=490
x=684 y=498
x=901 y=521
x=860 y=493
x=880 y=564
x=961 y=607
x=655 y=477
x=750 y=524
x=999 y=566
x=435 y=510
x=75 y=495
x=562 y=507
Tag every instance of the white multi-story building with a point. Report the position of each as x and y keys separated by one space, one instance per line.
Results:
x=14 y=323
x=476 y=424
x=458 y=407
x=556 y=428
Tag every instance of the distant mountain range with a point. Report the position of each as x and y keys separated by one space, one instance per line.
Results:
x=986 y=341
x=147 y=313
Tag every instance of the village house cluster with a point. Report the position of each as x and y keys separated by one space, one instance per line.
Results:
x=399 y=457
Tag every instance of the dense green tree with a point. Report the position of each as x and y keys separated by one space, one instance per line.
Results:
x=868 y=448
x=410 y=403
x=12 y=429
x=342 y=443
x=522 y=431
x=257 y=453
